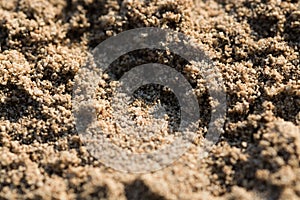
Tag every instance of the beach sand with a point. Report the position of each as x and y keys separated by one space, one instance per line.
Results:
x=254 y=43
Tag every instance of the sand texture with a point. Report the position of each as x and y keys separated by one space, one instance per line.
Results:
x=254 y=43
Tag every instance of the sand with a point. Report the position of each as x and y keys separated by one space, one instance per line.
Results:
x=255 y=44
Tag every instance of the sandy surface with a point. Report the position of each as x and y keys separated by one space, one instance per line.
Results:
x=255 y=44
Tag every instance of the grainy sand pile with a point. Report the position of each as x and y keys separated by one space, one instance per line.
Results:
x=254 y=43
